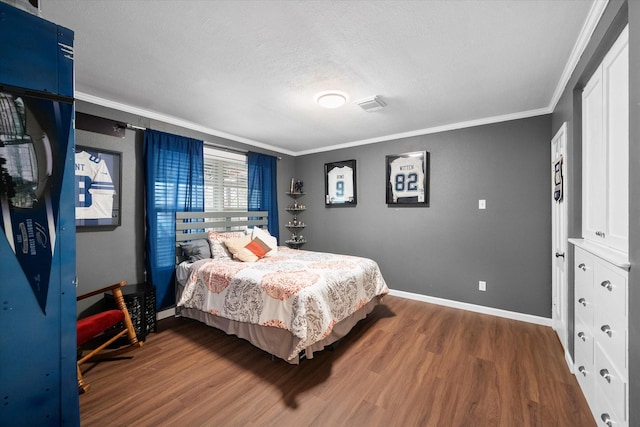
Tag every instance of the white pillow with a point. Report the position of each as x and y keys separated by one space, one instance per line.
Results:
x=267 y=238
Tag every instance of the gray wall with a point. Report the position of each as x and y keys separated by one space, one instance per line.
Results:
x=616 y=16
x=110 y=255
x=444 y=250
x=634 y=212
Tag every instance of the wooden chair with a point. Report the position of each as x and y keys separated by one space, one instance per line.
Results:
x=101 y=324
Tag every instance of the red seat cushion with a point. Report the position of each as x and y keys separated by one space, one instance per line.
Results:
x=93 y=325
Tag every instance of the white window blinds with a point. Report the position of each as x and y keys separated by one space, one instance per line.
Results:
x=225 y=181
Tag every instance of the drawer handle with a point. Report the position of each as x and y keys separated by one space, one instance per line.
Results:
x=600 y=234
x=583 y=301
x=582 y=267
x=605 y=374
x=607 y=330
x=607 y=284
x=559 y=254
x=582 y=336
x=582 y=370
x=606 y=419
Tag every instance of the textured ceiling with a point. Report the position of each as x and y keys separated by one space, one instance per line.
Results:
x=249 y=70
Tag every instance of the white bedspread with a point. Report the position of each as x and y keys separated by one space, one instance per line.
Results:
x=304 y=292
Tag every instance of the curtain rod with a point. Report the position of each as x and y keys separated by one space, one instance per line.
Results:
x=227 y=148
x=134 y=127
x=208 y=144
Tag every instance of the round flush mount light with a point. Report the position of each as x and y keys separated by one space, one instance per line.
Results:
x=331 y=99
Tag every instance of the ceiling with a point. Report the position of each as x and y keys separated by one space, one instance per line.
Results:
x=249 y=70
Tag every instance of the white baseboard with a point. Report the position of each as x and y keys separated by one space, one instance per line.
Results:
x=569 y=360
x=169 y=312
x=544 y=321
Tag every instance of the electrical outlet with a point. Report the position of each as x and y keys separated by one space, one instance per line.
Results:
x=482 y=204
x=482 y=285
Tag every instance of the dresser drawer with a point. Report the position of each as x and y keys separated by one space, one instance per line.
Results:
x=605 y=416
x=610 y=315
x=586 y=376
x=610 y=387
x=610 y=289
x=584 y=304
x=583 y=342
x=584 y=299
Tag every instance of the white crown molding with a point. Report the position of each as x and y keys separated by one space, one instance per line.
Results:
x=544 y=321
x=175 y=121
x=436 y=129
x=597 y=9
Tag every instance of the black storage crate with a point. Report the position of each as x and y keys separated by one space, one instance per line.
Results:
x=140 y=300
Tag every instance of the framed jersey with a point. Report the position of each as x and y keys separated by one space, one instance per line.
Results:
x=97 y=200
x=340 y=183
x=408 y=179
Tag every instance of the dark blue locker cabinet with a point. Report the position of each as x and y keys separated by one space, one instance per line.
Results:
x=37 y=221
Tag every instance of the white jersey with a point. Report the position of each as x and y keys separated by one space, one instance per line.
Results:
x=94 y=187
x=340 y=187
x=407 y=178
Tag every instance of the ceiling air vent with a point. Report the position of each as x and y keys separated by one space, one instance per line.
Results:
x=371 y=103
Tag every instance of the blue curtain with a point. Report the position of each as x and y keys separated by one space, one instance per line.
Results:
x=174 y=182
x=263 y=188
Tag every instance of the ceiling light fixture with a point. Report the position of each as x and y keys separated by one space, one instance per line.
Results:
x=331 y=99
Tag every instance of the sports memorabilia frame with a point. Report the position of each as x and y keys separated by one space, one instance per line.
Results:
x=340 y=183
x=407 y=179
x=98 y=187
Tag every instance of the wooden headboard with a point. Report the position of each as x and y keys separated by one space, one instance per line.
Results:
x=196 y=225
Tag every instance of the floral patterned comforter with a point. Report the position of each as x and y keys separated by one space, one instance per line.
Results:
x=304 y=292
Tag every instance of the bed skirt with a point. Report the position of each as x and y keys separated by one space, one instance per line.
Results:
x=276 y=341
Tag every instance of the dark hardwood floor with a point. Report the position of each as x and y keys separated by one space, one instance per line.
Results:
x=408 y=364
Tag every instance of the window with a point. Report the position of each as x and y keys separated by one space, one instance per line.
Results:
x=225 y=181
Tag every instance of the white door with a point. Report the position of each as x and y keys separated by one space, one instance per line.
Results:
x=605 y=150
x=559 y=231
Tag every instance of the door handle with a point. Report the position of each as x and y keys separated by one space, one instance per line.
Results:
x=559 y=254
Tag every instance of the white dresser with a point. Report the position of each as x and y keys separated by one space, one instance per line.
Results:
x=601 y=261
x=601 y=331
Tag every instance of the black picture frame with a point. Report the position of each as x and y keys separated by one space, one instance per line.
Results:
x=407 y=179
x=340 y=184
x=95 y=207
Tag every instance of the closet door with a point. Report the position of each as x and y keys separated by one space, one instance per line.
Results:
x=605 y=156
x=593 y=152
x=615 y=75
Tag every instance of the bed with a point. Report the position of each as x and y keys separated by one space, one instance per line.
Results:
x=287 y=302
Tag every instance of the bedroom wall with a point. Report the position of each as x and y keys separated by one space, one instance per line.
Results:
x=110 y=255
x=634 y=212
x=444 y=250
x=615 y=17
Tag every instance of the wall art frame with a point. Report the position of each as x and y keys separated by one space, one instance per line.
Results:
x=98 y=187
x=407 y=179
x=340 y=184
